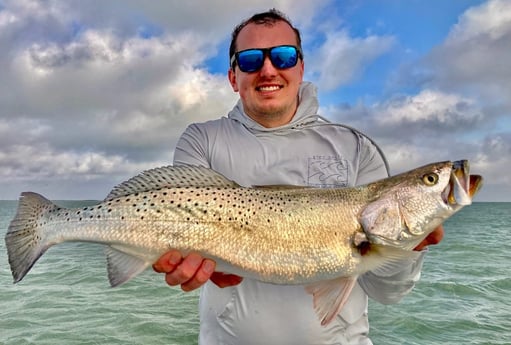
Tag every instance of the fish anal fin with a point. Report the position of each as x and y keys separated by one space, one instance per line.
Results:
x=123 y=266
x=330 y=296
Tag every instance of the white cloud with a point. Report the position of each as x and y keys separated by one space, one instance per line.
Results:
x=434 y=126
x=342 y=58
x=98 y=104
x=475 y=55
x=490 y=20
x=430 y=108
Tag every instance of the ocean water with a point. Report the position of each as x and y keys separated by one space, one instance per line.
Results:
x=464 y=296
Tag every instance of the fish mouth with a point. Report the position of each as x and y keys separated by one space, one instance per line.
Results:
x=462 y=186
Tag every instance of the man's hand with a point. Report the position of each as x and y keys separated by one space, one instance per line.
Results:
x=433 y=238
x=191 y=271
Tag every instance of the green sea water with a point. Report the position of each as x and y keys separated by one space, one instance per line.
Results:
x=463 y=297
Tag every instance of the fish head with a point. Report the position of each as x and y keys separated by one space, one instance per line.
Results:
x=409 y=206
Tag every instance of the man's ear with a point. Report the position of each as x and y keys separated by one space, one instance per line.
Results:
x=232 y=79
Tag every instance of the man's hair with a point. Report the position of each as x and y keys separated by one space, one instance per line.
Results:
x=269 y=17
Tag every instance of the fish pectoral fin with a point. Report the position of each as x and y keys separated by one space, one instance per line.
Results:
x=393 y=259
x=330 y=296
x=123 y=266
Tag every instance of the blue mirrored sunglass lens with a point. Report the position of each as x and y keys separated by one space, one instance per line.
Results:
x=283 y=57
x=250 y=60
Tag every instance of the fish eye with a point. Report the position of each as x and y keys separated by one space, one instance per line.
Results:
x=430 y=179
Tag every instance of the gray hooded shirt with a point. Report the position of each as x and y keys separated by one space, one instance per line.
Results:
x=308 y=151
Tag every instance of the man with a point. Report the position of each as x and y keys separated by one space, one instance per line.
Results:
x=273 y=136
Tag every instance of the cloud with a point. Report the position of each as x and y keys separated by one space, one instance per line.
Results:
x=341 y=58
x=417 y=129
x=475 y=55
x=432 y=109
x=96 y=103
x=433 y=126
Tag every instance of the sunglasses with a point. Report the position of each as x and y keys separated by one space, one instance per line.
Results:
x=281 y=57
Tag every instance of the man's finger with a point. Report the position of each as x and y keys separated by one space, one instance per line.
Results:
x=185 y=270
x=168 y=262
x=201 y=276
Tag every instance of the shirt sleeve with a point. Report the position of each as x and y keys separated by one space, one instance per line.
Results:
x=192 y=147
x=390 y=284
x=371 y=165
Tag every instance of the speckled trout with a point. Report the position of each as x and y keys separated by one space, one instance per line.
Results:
x=323 y=238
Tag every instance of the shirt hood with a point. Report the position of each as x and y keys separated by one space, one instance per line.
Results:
x=306 y=113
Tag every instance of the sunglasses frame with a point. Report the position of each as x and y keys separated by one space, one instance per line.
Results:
x=266 y=53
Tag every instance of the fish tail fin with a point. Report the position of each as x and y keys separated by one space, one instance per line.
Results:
x=24 y=241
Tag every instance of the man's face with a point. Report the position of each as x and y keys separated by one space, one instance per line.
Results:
x=269 y=95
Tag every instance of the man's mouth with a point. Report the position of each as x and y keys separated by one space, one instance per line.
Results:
x=268 y=88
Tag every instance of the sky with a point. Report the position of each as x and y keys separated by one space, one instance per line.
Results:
x=94 y=92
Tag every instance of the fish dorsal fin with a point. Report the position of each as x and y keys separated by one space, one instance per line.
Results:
x=171 y=177
x=330 y=296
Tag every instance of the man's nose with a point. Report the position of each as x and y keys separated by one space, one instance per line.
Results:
x=268 y=69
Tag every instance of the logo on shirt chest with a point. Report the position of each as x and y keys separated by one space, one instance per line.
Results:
x=327 y=171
